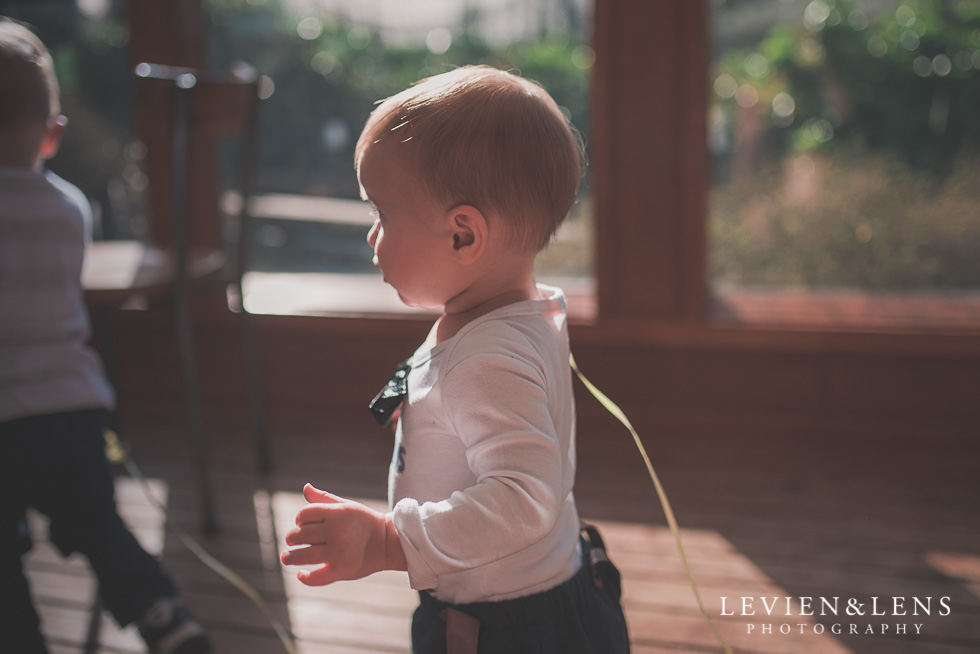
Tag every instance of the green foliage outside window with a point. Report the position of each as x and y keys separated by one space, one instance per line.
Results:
x=846 y=151
x=330 y=71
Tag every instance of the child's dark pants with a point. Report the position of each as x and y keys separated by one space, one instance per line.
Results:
x=581 y=616
x=56 y=464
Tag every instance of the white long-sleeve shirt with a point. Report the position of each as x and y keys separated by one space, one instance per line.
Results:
x=484 y=462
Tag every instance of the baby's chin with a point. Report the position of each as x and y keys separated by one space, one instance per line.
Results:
x=417 y=303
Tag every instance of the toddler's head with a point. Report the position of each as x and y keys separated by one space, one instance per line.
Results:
x=483 y=137
x=29 y=96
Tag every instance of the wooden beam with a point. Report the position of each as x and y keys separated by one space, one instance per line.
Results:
x=685 y=378
x=650 y=158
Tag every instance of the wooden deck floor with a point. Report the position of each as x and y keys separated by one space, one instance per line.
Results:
x=804 y=515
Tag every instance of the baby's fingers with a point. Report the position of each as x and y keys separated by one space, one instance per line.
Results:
x=312 y=555
x=317 y=513
x=311 y=534
x=317 y=496
x=319 y=577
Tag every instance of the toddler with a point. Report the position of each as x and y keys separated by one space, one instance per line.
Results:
x=53 y=393
x=471 y=173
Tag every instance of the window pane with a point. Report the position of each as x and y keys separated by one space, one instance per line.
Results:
x=845 y=143
x=330 y=61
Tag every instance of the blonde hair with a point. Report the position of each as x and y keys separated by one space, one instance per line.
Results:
x=484 y=137
x=28 y=86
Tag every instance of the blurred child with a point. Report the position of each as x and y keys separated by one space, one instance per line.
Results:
x=53 y=393
x=471 y=173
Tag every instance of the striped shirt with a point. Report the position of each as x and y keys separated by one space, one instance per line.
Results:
x=46 y=365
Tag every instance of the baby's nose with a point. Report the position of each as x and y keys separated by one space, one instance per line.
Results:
x=372 y=234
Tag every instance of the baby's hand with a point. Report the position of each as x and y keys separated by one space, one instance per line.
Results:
x=348 y=539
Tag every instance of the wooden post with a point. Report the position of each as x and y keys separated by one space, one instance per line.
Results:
x=650 y=158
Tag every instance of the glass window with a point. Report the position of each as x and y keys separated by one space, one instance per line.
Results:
x=330 y=61
x=845 y=144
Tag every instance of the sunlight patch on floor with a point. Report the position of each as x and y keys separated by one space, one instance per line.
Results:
x=660 y=604
x=662 y=610
x=958 y=566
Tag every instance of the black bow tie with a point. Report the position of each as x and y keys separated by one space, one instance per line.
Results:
x=385 y=403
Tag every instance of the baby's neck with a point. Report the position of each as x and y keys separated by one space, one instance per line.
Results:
x=452 y=321
x=502 y=276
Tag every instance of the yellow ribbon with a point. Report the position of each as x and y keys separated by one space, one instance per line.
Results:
x=614 y=409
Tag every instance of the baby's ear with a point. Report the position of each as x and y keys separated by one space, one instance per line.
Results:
x=52 y=136
x=469 y=232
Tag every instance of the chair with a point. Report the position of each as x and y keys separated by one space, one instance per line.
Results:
x=190 y=113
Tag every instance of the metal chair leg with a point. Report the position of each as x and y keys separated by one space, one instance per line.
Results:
x=195 y=414
x=182 y=302
x=260 y=425
x=94 y=630
x=256 y=400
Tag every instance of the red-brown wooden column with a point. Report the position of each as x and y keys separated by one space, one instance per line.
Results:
x=649 y=158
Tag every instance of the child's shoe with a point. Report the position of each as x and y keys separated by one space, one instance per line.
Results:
x=168 y=628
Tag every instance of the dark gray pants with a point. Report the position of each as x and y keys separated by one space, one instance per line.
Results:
x=56 y=464
x=581 y=616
